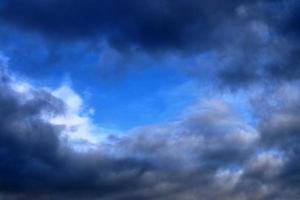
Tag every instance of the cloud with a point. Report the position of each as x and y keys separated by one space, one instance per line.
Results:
x=266 y=45
x=148 y=25
x=254 y=41
x=210 y=152
x=76 y=119
x=37 y=159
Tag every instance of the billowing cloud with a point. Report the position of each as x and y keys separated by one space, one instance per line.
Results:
x=266 y=44
x=210 y=153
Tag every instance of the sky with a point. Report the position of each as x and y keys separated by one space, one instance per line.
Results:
x=152 y=100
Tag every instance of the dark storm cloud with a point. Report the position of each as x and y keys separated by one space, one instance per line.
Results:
x=34 y=161
x=254 y=40
x=146 y=24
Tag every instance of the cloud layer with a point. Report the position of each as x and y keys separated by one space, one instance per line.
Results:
x=210 y=153
x=147 y=24
x=252 y=40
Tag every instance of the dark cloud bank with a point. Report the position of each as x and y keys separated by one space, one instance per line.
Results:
x=254 y=40
x=209 y=154
x=145 y=24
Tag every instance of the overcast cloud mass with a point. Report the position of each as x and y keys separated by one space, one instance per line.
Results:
x=149 y=100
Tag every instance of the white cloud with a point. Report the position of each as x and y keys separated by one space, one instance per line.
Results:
x=77 y=119
x=79 y=129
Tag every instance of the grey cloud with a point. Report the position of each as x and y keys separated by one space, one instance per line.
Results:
x=265 y=45
x=279 y=128
x=211 y=153
x=36 y=163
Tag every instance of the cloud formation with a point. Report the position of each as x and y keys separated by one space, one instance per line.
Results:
x=147 y=24
x=253 y=40
x=210 y=153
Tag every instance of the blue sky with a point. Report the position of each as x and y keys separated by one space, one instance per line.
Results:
x=126 y=90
